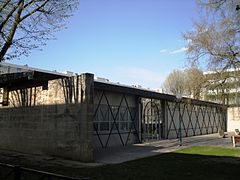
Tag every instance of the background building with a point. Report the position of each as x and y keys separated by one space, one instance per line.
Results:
x=223 y=87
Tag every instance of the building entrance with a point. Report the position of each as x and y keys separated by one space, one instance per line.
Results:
x=151 y=121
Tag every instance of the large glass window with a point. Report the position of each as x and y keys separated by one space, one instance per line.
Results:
x=107 y=115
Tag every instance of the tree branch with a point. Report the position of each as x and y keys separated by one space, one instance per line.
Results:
x=5 y=3
x=12 y=31
x=9 y=15
x=35 y=10
x=29 y=4
x=37 y=21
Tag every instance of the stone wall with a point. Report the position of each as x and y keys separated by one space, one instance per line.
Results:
x=59 y=91
x=56 y=130
x=54 y=94
x=59 y=123
x=233 y=118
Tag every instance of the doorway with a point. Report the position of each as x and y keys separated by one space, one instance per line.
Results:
x=152 y=124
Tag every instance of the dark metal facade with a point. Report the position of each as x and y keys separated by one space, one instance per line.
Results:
x=195 y=119
x=154 y=116
x=117 y=119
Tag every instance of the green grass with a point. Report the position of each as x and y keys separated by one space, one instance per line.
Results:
x=199 y=163
x=211 y=151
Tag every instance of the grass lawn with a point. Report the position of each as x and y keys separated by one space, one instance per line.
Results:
x=200 y=162
x=211 y=151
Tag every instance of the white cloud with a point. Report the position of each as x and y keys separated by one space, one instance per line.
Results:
x=163 y=50
x=177 y=51
x=140 y=76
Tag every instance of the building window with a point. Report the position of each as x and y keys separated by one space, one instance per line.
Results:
x=104 y=118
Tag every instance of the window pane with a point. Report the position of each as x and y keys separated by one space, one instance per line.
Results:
x=95 y=126
x=124 y=126
x=104 y=126
x=114 y=126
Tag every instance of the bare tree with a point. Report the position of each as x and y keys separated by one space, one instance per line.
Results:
x=28 y=24
x=189 y=82
x=175 y=82
x=215 y=40
x=194 y=82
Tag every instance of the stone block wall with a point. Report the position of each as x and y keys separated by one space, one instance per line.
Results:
x=56 y=130
x=233 y=118
x=54 y=94
x=59 y=123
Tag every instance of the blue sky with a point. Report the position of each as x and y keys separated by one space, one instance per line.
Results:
x=134 y=42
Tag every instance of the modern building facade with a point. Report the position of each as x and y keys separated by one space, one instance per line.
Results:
x=81 y=114
x=223 y=87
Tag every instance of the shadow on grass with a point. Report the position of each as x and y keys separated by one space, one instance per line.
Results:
x=171 y=166
x=164 y=166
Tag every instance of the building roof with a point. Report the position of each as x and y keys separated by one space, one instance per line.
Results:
x=19 y=80
x=24 y=68
x=19 y=76
x=32 y=77
x=145 y=93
